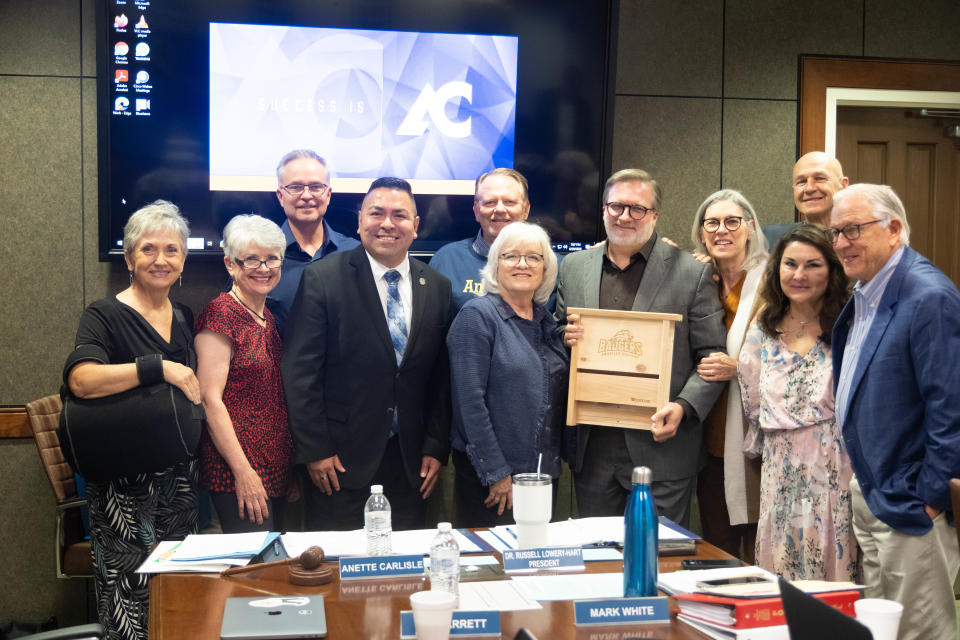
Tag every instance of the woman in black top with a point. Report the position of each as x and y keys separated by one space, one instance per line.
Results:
x=137 y=337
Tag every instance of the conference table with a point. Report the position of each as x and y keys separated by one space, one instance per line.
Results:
x=190 y=605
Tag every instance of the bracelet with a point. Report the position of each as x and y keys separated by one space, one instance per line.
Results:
x=150 y=369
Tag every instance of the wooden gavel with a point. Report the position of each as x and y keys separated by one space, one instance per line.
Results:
x=310 y=560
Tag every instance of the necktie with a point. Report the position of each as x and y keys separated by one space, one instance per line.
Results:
x=395 y=318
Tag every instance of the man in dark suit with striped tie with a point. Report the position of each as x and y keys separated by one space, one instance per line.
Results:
x=365 y=370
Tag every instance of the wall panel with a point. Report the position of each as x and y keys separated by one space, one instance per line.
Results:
x=678 y=141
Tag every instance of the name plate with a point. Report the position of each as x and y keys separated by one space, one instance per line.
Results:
x=380 y=566
x=463 y=624
x=621 y=611
x=555 y=558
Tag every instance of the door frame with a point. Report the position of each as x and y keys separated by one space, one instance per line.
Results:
x=844 y=97
x=827 y=82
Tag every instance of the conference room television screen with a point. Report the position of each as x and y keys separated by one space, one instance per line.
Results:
x=197 y=102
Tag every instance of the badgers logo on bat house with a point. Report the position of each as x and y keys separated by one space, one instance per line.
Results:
x=621 y=344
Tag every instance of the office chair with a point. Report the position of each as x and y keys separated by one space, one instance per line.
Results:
x=73 y=551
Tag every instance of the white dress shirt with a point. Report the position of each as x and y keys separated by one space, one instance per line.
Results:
x=404 y=285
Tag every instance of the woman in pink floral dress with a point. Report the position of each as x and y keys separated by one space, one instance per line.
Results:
x=785 y=371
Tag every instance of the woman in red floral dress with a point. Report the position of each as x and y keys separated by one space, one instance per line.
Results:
x=245 y=450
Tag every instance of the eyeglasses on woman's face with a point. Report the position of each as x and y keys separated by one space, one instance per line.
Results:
x=513 y=259
x=730 y=223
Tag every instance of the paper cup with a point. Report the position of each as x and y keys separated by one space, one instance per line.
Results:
x=532 y=508
x=432 y=613
x=882 y=617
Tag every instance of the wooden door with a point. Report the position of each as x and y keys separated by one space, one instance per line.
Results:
x=895 y=147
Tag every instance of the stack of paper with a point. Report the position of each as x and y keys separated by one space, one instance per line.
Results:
x=354 y=543
x=582 y=532
x=719 y=632
x=686 y=581
x=207 y=553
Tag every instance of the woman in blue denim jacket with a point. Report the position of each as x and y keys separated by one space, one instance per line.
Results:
x=509 y=376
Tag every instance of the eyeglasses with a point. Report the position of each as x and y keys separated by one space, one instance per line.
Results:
x=637 y=212
x=851 y=231
x=296 y=188
x=252 y=263
x=513 y=259
x=731 y=223
x=491 y=204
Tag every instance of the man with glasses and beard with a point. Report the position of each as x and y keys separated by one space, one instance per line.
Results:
x=634 y=271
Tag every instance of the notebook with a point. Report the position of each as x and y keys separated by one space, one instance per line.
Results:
x=274 y=617
x=811 y=619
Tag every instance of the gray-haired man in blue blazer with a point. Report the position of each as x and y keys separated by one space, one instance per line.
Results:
x=634 y=271
x=895 y=372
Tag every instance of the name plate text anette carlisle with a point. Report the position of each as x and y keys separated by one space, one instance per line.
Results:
x=380 y=566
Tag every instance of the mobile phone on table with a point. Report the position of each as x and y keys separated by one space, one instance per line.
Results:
x=691 y=565
x=723 y=582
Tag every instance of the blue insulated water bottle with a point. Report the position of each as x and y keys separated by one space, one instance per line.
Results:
x=640 y=539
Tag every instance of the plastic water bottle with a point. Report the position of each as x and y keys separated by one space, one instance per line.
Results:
x=445 y=561
x=376 y=522
x=640 y=540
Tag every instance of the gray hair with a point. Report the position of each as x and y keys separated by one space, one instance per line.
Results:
x=634 y=175
x=297 y=154
x=756 y=242
x=885 y=204
x=521 y=232
x=159 y=215
x=248 y=229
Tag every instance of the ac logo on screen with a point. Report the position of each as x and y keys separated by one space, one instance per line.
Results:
x=434 y=103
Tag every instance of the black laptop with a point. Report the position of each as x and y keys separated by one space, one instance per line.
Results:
x=811 y=619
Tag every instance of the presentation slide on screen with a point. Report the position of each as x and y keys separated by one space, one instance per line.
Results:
x=435 y=108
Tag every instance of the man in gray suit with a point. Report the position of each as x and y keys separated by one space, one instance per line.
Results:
x=634 y=271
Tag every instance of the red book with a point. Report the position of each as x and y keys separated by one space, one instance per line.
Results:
x=745 y=613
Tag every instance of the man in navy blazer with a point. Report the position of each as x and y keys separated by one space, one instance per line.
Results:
x=367 y=406
x=896 y=367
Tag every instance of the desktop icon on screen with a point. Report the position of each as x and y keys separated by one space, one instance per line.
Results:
x=121 y=104
x=121 y=48
x=121 y=76
x=142 y=23
x=142 y=50
x=142 y=77
x=142 y=104
x=120 y=21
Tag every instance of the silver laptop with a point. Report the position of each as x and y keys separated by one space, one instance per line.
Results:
x=277 y=617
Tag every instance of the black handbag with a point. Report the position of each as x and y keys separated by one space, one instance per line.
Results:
x=141 y=430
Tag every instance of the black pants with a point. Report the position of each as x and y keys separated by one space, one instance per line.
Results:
x=470 y=494
x=229 y=515
x=604 y=483
x=343 y=511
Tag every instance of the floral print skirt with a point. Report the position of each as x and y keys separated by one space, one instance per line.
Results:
x=128 y=516
x=805 y=530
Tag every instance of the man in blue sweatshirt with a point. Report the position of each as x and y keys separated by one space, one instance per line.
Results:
x=500 y=197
